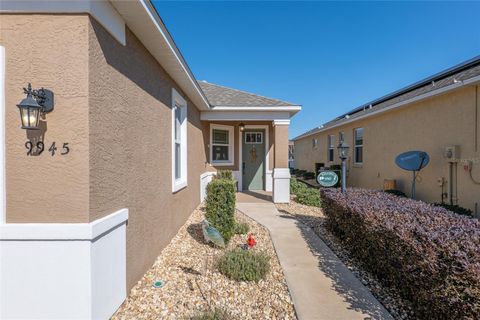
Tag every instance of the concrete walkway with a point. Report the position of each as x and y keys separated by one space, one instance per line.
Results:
x=321 y=286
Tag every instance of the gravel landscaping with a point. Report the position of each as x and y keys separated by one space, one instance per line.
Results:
x=193 y=283
x=313 y=217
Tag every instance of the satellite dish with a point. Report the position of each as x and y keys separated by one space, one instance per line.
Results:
x=412 y=161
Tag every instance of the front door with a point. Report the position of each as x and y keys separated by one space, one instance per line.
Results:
x=253 y=158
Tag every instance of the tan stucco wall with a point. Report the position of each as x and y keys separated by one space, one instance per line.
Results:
x=281 y=148
x=429 y=125
x=49 y=51
x=130 y=147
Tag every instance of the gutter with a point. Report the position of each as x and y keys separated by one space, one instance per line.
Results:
x=291 y=109
x=397 y=105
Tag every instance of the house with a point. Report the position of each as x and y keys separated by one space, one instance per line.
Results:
x=439 y=115
x=114 y=154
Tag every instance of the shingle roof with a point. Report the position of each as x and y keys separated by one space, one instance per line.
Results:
x=223 y=96
x=456 y=74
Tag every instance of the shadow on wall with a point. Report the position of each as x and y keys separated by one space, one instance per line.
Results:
x=138 y=55
x=328 y=263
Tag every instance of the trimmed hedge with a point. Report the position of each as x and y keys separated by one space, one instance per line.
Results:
x=429 y=254
x=244 y=265
x=309 y=175
x=220 y=206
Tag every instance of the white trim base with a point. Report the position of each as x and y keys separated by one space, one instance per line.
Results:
x=281 y=185
x=269 y=181
x=63 y=270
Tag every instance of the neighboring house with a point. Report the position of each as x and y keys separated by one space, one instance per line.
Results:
x=436 y=115
x=137 y=139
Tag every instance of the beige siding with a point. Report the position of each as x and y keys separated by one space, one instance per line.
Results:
x=429 y=125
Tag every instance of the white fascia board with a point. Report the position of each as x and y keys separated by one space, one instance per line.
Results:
x=62 y=231
x=102 y=11
x=244 y=115
x=424 y=96
x=291 y=109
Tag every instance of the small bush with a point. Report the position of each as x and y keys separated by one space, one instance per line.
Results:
x=309 y=197
x=216 y=314
x=456 y=209
x=295 y=186
x=293 y=170
x=244 y=265
x=309 y=175
x=397 y=193
x=220 y=206
x=224 y=174
x=428 y=254
x=241 y=228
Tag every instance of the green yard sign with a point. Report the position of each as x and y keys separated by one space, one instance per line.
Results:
x=327 y=178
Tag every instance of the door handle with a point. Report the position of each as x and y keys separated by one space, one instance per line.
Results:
x=243 y=168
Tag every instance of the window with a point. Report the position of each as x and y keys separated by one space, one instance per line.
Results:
x=253 y=137
x=314 y=143
x=331 y=147
x=179 y=141
x=358 y=143
x=221 y=145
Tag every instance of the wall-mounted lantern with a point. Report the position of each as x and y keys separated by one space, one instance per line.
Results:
x=36 y=103
x=241 y=126
x=343 y=155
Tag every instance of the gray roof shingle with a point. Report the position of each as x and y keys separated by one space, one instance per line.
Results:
x=223 y=96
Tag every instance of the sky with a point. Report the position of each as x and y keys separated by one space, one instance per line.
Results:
x=330 y=57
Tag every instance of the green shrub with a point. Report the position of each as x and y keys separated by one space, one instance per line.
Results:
x=309 y=197
x=241 y=228
x=396 y=193
x=224 y=174
x=216 y=314
x=295 y=186
x=455 y=208
x=244 y=265
x=220 y=206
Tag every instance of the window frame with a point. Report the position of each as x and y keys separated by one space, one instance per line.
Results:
x=331 y=147
x=231 y=151
x=355 y=146
x=178 y=102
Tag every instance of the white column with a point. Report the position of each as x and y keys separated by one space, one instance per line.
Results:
x=281 y=172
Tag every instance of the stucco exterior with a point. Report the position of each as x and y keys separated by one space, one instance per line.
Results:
x=46 y=188
x=130 y=146
x=428 y=125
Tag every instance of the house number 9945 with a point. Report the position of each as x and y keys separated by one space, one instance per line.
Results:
x=39 y=147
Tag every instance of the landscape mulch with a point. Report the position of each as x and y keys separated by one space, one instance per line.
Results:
x=192 y=282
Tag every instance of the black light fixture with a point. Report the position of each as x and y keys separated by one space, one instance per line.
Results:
x=343 y=155
x=241 y=126
x=36 y=103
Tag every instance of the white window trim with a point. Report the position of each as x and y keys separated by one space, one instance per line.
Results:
x=231 y=153
x=178 y=100
x=355 y=146
x=314 y=143
x=330 y=146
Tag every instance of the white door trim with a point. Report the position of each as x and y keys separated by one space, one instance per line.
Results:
x=240 y=156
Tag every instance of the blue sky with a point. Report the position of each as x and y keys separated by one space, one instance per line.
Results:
x=328 y=56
